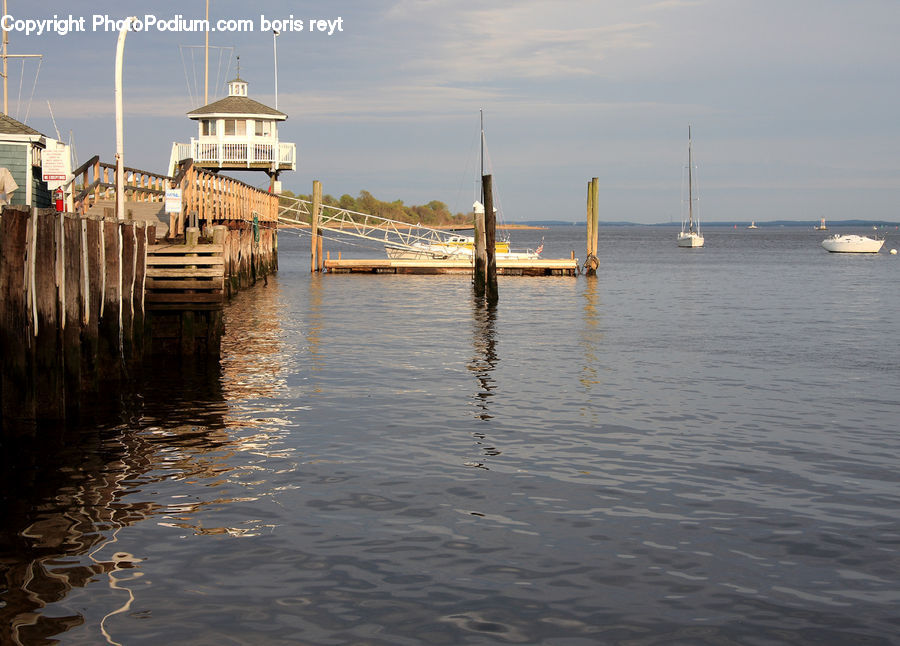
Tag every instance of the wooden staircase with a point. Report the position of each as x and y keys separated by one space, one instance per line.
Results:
x=185 y=276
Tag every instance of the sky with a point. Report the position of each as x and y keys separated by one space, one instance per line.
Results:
x=794 y=105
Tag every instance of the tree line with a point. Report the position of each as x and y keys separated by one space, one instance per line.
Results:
x=435 y=213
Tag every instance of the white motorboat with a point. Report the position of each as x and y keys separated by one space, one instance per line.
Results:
x=457 y=247
x=753 y=226
x=690 y=235
x=850 y=243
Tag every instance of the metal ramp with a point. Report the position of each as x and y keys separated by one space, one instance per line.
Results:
x=400 y=235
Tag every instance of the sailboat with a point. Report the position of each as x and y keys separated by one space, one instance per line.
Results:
x=690 y=236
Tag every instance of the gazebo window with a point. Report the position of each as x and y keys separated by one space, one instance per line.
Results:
x=236 y=127
x=263 y=128
x=209 y=127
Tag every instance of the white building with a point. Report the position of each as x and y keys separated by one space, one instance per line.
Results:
x=237 y=133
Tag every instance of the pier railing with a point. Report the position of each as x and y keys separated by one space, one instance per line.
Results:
x=248 y=154
x=206 y=196
x=96 y=180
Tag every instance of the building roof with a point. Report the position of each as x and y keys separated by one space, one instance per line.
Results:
x=9 y=126
x=236 y=105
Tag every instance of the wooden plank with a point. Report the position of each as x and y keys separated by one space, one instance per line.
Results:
x=215 y=283
x=184 y=272
x=159 y=261
x=178 y=307
x=178 y=297
x=157 y=249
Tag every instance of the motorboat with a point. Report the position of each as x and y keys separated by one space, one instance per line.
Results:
x=456 y=247
x=851 y=243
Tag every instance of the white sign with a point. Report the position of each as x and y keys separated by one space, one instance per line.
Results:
x=173 y=200
x=55 y=167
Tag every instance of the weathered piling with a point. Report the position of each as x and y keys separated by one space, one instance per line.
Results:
x=591 y=262
x=16 y=385
x=68 y=290
x=490 y=241
x=480 y=271
x=314 y=251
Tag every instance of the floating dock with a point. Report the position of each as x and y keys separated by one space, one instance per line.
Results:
x=530 y=267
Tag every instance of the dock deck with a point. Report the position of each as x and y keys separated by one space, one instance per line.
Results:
x=539 y=267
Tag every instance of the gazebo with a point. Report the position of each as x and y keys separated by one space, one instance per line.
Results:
x=237 y=133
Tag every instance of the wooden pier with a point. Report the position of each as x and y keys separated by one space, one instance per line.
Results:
x=86 y=298
x=531 y=267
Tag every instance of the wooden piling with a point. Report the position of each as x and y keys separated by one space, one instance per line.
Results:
x=72 y=307
x=480 y=272
x=48 y=373
x=16 y=385
x=490 y=240
x=591 y=263
x=314 y=225
x=110 y=324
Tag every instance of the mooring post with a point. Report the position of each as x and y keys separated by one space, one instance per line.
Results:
x=480 y=274
x=490 y=240
x=314 y=224
x=593 y=191
x=595 y=213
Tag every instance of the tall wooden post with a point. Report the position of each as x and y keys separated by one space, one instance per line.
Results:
x=480 y=273
x=314 y=224
x=595 y=213
x=593 y=193
x=490 y=240
x=590 y=220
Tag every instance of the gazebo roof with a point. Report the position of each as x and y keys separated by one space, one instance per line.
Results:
x=236 y=106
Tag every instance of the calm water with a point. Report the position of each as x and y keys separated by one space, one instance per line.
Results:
x=696 y=447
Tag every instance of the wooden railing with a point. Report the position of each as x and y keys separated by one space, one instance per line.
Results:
x=206 y=196
x=98 y=182
x=217 y=198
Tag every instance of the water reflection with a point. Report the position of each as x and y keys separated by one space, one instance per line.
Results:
x=484 y=362
x=69 y=494
x=591 y=334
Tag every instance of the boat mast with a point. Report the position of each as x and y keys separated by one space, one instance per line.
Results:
x=690 y=186
x=480 y=182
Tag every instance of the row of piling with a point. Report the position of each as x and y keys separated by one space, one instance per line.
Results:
x=72 y=314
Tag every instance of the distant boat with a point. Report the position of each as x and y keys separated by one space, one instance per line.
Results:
x=753 y=226
x=852 y=244
x=821 y=226
x=690 y=236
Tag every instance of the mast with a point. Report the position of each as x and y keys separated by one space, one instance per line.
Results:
x=480 y=183
x=205 y=60
x=690 y=185
x=5 y=43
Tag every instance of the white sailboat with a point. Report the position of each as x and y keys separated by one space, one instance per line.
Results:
x=690 y=235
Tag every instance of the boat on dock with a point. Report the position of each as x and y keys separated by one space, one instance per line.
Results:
x=690 y=236
x=456 y=247
x=850 y=243
x=459 y=247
